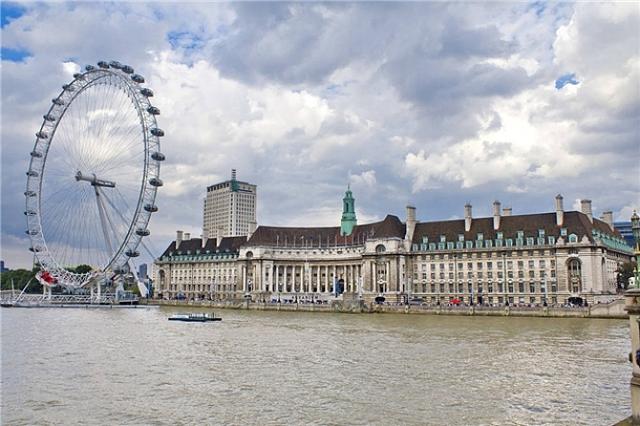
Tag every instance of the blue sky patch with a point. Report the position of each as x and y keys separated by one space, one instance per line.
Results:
x=185 y=40
x=9 y=12
x=14 y=55
x=566 y=79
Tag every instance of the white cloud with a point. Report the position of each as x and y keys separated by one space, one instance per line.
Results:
x=429 y=103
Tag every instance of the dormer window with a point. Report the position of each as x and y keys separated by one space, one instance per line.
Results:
x=443 y=239
x=500 y=236
x=520 y=234
x=563 y=232
x=425 y=240
x=541 y=233
x=460 y=237
x=480 y=236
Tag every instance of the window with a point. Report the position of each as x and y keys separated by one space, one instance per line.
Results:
x=532 y=264
x=479 y=265
x=489 y=265
x=443 y=239
x=460 y=237
x=532 y=287
x=573 y=238
x=563 y=232
x=480 y=236
x=469 y=265
x=542 y=264
x=500 y=236
x=521 y=287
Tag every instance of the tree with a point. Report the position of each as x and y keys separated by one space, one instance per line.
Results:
x=82 y=269
x=624 y=272
x=20 y=277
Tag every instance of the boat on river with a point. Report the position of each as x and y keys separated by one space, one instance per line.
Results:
x=194 y=317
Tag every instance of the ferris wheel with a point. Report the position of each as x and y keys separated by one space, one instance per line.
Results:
x=93 y=176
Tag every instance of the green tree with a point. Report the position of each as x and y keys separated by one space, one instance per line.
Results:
x=20 y=277
x=82 y=269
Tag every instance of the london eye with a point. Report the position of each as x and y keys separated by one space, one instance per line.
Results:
x=93 y=176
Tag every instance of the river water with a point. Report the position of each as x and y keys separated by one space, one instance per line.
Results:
x=132 y=366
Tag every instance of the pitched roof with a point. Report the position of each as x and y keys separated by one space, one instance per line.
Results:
x=227 y=244
x=575 y=223
x=390 y=227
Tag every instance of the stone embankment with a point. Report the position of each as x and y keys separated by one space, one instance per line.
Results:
x=614 y=310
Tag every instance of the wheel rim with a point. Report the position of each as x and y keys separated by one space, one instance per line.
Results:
x=93 y=175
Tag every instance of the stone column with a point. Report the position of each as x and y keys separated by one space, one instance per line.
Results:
x=632 y=306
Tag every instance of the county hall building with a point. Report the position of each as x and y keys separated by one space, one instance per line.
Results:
x=555 y=257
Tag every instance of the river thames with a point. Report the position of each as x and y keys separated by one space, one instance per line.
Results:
x=132 y=366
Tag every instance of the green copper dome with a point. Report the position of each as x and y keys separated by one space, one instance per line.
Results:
x=348 y=213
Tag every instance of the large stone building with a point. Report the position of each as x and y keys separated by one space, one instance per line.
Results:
x=230 y=208
x=555 y=257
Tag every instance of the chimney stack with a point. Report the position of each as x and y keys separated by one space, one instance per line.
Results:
x=585 y=206
x=411 y=224
x=252 y=228
x=506 y=211
x=187 y=236
x=607 y=217
x=205 y=237
x=496 y=215
x=178 y=239
x=467 y=217
x=559 y=210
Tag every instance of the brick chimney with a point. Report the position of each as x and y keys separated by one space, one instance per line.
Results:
x=559 y=210
x=506 y=211
x=607 y=217
x=411 y=224
x=178 y=239
x=467 y=217
x=585 y=206
x=496 y=215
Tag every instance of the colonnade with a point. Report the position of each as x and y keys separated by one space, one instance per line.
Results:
x=300 y=277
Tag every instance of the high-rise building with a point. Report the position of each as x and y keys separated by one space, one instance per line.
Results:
x=229 y=209
x=142 y=271
x=625 y=229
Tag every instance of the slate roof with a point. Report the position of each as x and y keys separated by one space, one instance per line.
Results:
x=227 y=244
x=576 y=223
x=390 y=227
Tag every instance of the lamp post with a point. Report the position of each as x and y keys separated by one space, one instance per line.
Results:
x=635 y=228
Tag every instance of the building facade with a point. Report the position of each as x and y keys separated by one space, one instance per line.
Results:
x=198 y=268
x=557 y=257
x=230 y=208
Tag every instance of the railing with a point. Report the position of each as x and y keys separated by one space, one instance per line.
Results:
x=59 y=299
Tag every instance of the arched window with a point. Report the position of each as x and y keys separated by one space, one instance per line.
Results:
x=573 y=238
x=380 y=248
x=574 y=270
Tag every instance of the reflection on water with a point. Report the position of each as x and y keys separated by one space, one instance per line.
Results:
x=69 y=366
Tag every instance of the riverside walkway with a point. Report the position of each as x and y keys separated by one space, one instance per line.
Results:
x=612 y=310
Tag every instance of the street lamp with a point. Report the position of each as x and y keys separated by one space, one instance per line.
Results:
x=635 y=227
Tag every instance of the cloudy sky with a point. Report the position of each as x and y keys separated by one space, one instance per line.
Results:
x=432 y=104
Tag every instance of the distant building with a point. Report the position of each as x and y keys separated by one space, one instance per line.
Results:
x=625 y=230
x=142 y=272
x=230 y=209
x=2 y=268
x=555 y=257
